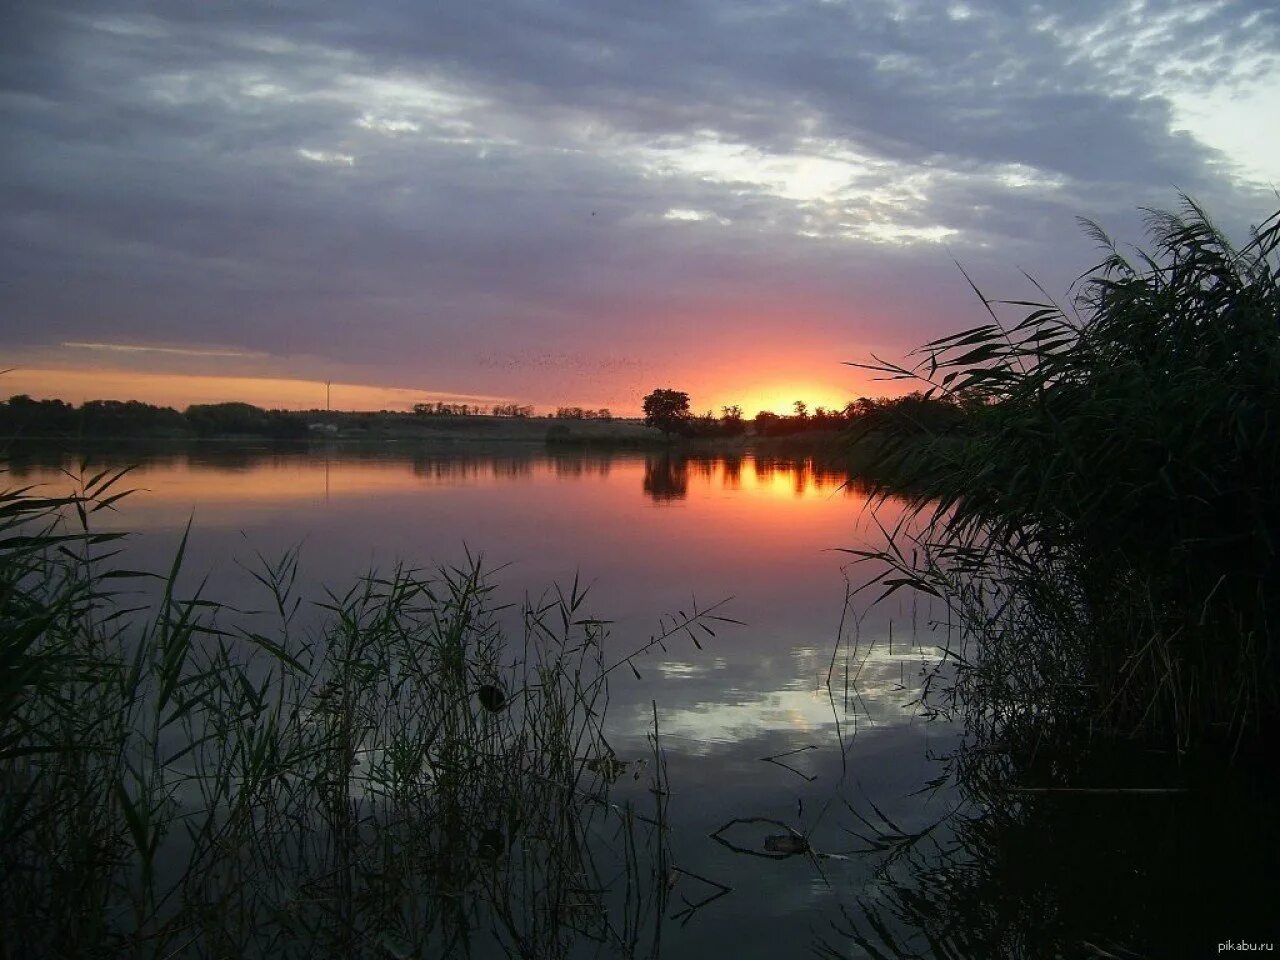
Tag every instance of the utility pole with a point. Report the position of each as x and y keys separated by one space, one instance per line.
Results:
x=327 y=385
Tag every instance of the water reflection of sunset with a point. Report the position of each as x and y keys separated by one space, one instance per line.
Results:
x=797 y=478
x=264 y=477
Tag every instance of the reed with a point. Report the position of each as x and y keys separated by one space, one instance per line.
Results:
x=1103 y=521
x=182 y=778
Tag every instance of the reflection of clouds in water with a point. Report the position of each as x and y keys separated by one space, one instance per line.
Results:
x=711 y=723
x=759 y=528
x=883 y=693
x=675 y=670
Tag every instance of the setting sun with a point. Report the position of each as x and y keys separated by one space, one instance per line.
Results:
x=780 y=396
x=781 y=400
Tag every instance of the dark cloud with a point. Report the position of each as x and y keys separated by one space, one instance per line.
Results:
x=410 y=188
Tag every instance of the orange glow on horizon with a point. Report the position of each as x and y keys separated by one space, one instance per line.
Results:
x=781 y=398
x=181 y=390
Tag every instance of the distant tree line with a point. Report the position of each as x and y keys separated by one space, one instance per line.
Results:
x=916 y=413
x=666 y=409
x=220 y=419
x=729 y=424
x=22 y=416
x=581 y=413
x=438 y=409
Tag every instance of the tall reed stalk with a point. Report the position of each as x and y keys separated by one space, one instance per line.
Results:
x=179 y=778
x=1104 y=521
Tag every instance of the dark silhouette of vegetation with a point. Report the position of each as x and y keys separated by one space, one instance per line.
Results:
x=111 y=417
x=181 y=778
x=230 y=419
x=731 y=422
x=439 y=409
x=667 y=410
x=23 y=416
x=864 y=418
x=915 y=414
x=582 y=413
x=1106 y=528
x=512 y=410
x=709 y=425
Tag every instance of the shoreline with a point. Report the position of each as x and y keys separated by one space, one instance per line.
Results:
x=597 y=438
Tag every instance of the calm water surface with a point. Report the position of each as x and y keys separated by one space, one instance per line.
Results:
x=654 y=534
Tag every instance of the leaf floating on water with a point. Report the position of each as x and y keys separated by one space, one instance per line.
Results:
x=492 y=697
x=608 y=766
x=777 y=846
x=786 y=843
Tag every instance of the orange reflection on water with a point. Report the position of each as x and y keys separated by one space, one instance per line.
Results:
x=647 y=528
x=227 y=480
x=789 y=477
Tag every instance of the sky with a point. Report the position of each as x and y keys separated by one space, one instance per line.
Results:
x=572 y=203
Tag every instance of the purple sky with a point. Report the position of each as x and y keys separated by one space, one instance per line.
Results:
x=576 y=202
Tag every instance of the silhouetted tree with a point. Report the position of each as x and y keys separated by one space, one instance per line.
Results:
x=668 y=410
x=731 y=422
x=23 y=416
x=767 y=423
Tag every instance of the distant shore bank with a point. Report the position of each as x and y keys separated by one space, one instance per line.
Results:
x=362 y=429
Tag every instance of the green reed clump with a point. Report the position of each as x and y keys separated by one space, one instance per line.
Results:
x=1104 y=521
x=181 y=778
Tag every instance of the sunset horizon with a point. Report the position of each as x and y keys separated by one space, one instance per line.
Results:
x=577 y=212
x=584 y=478
x=77 y=386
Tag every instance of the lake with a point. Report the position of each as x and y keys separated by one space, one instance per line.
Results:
x=805 y=716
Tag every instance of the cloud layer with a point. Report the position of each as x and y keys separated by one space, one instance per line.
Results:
x=722 y=195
